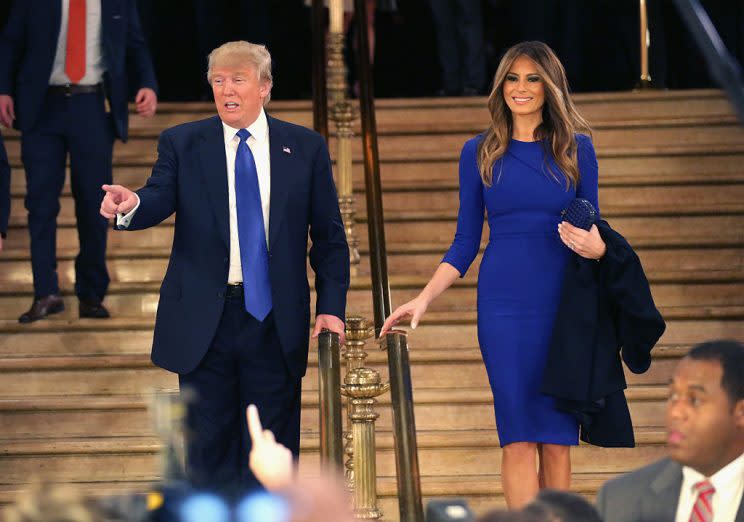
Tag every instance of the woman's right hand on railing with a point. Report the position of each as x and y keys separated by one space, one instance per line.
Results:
x=414 y=309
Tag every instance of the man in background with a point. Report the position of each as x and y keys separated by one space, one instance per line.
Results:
x=64 y=83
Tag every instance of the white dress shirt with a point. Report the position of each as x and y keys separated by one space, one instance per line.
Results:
x=728 y=483
x=259 y=145
x=94 y=63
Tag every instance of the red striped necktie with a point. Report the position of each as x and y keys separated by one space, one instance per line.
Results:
x=75 y=56
x=702 y=511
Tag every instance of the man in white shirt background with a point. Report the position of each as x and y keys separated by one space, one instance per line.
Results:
x=703 y=480
x=61 y=63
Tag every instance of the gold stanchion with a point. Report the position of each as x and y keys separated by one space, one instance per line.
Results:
x=342 y=114
x=645 y=80
x=329 y=395
x=357 y=332
x=361 y=386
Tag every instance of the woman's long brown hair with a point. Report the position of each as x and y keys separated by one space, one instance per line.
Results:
x=560 y=119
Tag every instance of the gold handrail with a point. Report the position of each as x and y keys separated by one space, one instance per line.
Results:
x=404 y=424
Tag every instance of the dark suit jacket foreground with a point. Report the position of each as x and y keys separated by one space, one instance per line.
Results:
x=605 y=307
x=190 y=179
x=29 y=43
x=650 y=494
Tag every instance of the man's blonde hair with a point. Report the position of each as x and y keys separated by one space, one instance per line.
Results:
x=240 y=53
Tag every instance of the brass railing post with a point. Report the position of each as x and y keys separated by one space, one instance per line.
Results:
x=361 y=386
x=357 y=332
x=343 y=115
x=645 y=41
x=329 y=384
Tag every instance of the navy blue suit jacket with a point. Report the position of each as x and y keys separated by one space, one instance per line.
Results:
x=190 y=179
x=29 y=43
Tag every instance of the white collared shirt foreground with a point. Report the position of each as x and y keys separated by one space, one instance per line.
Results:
x=729 y=485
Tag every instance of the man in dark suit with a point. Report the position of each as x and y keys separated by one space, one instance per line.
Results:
x=703 y=479
x=61 y=63
x=233 y=318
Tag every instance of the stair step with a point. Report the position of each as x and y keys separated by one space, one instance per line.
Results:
x=439 y=228
x=136 y=458
x=410 y=120
x=420 y=259
x=421 y=115
x=426 y=174
x=135 y=374
x=675 y=300
x=614 y=202
x=692 y=139
x=126 y=415
x=701 y=265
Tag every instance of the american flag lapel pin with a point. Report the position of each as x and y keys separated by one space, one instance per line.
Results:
x=286 y=150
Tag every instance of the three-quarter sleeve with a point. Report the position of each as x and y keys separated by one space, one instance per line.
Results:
x=588 y=169
x=467 y=240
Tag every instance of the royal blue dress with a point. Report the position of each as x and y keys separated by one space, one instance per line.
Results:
x=520 y=277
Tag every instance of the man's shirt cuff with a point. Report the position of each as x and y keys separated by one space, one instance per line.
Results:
x=123 y=220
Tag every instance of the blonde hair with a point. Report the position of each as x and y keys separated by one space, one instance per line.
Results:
x=240 y=53
x=560 y=119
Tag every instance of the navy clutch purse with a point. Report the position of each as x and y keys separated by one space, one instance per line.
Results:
x=580 y=213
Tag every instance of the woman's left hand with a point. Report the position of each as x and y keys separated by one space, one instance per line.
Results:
x=586 y=244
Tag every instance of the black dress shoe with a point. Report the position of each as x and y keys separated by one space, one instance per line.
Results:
x=43 y=306
x=93 y=310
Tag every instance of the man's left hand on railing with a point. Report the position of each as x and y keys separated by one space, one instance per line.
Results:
x=332 y=323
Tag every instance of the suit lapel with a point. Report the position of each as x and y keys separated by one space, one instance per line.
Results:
x=280 y=155
x=213 y=166
x=740 y=513
x=660 y=502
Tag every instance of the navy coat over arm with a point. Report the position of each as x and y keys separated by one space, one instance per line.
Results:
x=190 y=179
x=29 y=43
x=606 y=308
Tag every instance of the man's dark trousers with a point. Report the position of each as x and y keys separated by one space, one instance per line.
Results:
x=244 y=365
x=77 y=125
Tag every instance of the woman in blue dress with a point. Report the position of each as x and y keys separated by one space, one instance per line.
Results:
x=521 y=172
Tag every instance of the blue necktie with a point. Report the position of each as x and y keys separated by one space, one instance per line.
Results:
x=254 y=255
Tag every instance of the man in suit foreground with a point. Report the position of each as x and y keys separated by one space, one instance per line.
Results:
x=703 y=479
x=233 y=318
x=61 y=63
